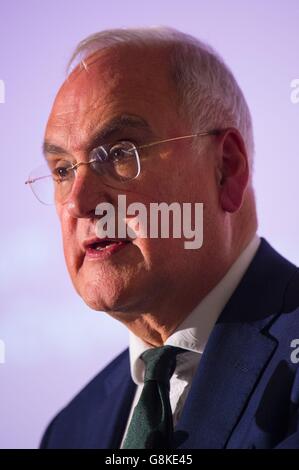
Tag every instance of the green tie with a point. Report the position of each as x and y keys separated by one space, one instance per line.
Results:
x=151 y=425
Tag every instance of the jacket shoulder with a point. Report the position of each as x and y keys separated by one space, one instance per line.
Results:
x=86 y=402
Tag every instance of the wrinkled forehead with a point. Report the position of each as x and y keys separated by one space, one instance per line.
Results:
x=124 y=80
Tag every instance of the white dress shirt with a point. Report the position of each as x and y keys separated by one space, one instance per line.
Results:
x=192 y=334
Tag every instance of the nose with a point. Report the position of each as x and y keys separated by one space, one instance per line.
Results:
x=86 y=193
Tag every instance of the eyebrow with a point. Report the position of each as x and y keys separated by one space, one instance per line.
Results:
x=116 y=124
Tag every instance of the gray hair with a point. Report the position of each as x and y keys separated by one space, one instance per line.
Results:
x=208 y=93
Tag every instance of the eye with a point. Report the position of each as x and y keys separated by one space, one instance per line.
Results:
x=120 y=151
x=62 y=171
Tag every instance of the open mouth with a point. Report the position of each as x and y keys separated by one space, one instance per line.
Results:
x=104 y=244
x=104 y=247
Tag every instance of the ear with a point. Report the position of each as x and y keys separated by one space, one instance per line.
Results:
x=233 y=170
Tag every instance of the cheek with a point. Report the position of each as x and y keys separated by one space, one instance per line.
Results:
x=68 y=231
x=161 y=256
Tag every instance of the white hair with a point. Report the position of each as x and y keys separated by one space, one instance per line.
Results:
x=208 y=94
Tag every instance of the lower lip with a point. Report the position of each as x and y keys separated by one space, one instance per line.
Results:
x=106 y=252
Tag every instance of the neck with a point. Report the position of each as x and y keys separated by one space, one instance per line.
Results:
x=154 y=325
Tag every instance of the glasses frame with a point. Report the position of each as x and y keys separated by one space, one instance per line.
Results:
x=74 y=167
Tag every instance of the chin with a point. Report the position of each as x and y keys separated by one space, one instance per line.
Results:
x=103 y=296
x=97 y=300
x=118 y=290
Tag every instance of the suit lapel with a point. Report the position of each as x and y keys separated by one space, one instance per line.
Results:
x=237 y=352
x=222 y=385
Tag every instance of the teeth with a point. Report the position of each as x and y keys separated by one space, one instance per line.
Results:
x=101 y=248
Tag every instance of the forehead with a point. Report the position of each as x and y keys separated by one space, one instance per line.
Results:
x=115 y=82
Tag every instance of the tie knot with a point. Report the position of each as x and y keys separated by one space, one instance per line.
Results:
x=160 y=363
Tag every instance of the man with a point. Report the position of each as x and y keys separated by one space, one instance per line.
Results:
x=155 y=115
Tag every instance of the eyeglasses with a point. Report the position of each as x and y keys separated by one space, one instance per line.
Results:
x=117 y=162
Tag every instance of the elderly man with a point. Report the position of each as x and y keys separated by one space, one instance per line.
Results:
x=155 y=115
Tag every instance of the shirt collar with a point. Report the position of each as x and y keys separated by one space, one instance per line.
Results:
x=193 y=333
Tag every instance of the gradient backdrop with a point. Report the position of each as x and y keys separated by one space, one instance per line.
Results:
x=54 y=343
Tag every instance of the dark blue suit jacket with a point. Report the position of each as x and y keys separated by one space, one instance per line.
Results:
x=245 y=393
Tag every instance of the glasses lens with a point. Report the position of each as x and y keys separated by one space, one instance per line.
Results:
x=41 y=183
x=49 y=188
x=121 y=161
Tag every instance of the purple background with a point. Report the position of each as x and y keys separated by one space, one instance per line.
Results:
x=54 y=343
